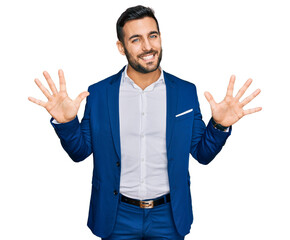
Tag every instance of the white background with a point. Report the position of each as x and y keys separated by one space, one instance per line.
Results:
x=242 y=194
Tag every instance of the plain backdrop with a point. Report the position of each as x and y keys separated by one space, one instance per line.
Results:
x=242 y=194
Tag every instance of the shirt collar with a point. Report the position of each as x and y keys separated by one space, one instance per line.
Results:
x=126 y=78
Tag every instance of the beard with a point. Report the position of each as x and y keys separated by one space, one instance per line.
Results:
x=138 y=67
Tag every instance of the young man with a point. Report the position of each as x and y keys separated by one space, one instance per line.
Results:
x=141 y=124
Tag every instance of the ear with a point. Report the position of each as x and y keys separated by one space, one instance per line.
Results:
x=120 y=47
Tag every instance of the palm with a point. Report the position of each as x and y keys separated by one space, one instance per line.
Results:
x=230 y=110
x=59 y=105
x=61 y=108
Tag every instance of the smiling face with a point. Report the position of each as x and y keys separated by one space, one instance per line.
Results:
x=141 y=45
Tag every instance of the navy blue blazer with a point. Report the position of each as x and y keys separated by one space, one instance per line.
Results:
x=99 y=133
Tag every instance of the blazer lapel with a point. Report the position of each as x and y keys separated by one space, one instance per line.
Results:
x=113 y=105
x=171 y=106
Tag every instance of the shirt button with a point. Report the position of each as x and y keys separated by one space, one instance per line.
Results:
x=118 y=164
x=142 y=159
x=143 y=113
x=115 y=192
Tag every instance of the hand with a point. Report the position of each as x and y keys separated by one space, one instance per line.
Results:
x=59 y=105
x=230 y=110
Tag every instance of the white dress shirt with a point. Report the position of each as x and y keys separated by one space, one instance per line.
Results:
x=142 y=115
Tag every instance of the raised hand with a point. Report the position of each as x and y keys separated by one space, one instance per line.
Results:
x=230 y=110
x=59 y=105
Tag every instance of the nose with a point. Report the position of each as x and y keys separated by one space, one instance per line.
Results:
x=146 y=46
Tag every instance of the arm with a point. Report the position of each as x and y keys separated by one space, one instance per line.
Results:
x=75 y=137
x=207 y=142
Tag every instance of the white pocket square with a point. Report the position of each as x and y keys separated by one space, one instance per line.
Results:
x=180 y=114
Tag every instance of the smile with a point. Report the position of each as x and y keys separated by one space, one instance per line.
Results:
x=148 y=58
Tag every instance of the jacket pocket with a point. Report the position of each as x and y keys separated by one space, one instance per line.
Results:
x=184 y=116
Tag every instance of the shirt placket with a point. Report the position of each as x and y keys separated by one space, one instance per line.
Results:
x=143 y=105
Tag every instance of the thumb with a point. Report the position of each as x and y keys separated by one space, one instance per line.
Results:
x=210 y=99
x=81 y=97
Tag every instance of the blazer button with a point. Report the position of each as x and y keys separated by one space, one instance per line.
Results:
x=118 y=164
x=115 y=192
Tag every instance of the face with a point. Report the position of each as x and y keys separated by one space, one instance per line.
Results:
x=142 y=45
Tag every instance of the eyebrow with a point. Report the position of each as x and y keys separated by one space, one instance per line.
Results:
x=138 y=35
x=134 y=36
x=154 y=32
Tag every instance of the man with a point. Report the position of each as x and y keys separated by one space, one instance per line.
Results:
x=141 y=124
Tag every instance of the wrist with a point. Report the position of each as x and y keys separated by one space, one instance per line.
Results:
x=218 y=126
x=62 y=121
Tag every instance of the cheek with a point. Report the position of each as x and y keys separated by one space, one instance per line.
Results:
x=135 y=50
x=157 y=45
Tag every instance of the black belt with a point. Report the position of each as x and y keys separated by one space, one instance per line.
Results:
x=147 y=203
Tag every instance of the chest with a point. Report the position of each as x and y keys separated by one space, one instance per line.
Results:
x=142 y=111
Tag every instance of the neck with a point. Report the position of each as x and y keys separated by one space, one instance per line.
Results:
x=143 y=80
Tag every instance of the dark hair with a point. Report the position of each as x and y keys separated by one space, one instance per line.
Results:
x=133 y=13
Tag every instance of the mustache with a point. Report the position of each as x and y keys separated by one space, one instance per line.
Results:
x=146 y=53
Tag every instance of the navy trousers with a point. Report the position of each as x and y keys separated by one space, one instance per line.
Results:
x=135 y=223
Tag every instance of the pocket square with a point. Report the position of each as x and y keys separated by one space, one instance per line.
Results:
x=180 y=114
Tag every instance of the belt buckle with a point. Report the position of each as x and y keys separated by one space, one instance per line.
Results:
x=147 y=204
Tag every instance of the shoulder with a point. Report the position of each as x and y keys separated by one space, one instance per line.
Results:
x=102 y=84
x=181 y=83
x=98 y=86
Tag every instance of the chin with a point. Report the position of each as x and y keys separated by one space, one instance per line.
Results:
x=151 y=69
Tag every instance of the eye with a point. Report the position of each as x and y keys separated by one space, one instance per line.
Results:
x=153 y=36
x=135 y=40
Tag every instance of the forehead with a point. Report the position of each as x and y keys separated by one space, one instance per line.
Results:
x=141 y=26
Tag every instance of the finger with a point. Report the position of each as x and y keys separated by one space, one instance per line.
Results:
x=251 y=97
x=50 y=82
x=230 y=89
x=253 y=110
x=36 y=101
x=42 y=88
x=210 y=99
x=244 y=88
x=81 y=97
x=62 y=84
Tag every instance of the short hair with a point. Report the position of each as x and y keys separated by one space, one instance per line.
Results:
x=133 y=13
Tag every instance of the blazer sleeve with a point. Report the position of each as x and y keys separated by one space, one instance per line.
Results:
x=206 y=141
x=75 y=137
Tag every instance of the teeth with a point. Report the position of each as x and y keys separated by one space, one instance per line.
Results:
x=148 y=57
